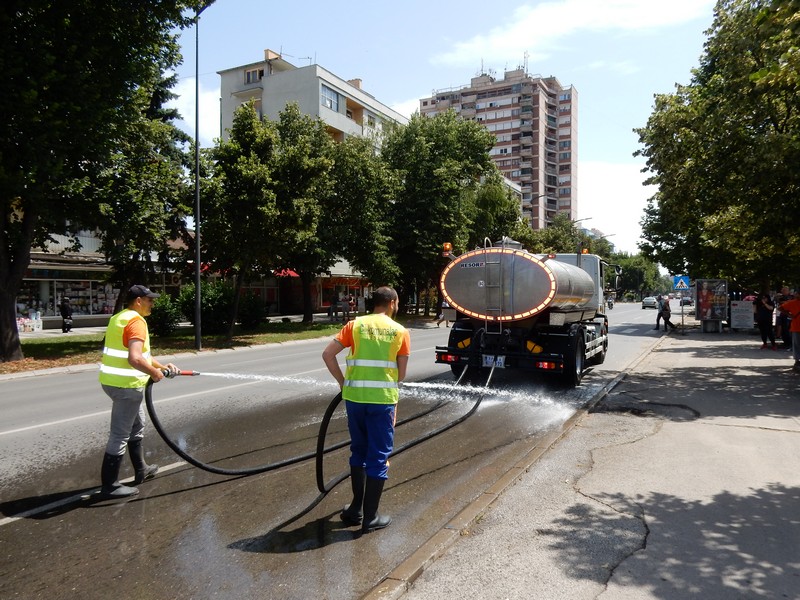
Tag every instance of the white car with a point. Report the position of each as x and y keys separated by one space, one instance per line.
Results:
x=649 y=302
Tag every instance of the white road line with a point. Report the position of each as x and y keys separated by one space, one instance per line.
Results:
x=170 y=399
x=76 y=498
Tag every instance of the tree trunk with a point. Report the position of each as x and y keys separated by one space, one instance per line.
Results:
x=15 y=256
x=10 y=348
x=237 y=295
x=308 y=301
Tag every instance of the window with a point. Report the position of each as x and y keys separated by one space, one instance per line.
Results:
x=253 y=75
x=370 y=120
x=564 y=145
x=566 y=96
x=565 y=156
x=330 y=98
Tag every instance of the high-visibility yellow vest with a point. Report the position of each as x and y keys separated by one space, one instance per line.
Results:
x=115 y=369
x=372 y=374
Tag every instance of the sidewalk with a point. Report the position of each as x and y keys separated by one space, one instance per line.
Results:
x=684 y=482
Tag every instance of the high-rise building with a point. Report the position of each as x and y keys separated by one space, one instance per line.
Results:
x=535 y=122
x=273 y=82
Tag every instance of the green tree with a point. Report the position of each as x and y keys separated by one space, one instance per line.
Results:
x=141 y=192
x=496 y=213
x=241 y=231
x=723 y=151
x=71 y=72
x=364 y=191
x=639 y=276
x=302 y=178
x=561 y=236
x=439 y=160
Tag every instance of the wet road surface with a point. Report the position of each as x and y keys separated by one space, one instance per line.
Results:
x=193 y=534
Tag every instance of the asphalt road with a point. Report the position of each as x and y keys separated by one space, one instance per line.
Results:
x=195 y=534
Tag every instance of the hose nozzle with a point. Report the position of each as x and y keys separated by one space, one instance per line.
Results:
x=170 y=374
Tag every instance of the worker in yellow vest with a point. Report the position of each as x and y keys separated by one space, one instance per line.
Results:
x=126 y=368
x=379 y=351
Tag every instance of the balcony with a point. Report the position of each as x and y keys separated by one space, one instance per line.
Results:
x=248 y=90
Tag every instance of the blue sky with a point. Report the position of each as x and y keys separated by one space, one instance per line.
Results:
x=617 y=54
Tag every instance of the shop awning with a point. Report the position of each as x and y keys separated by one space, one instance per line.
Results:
x=285 y=273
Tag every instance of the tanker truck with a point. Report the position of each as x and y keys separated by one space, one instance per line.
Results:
x=518 y=310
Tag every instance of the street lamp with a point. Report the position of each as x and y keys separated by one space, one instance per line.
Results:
x=198 y=344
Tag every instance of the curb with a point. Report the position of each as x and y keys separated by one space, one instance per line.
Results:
x=402 y=577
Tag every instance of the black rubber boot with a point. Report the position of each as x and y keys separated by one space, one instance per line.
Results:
x=352 y=513
x=142 y=469
x=109 y=473
x=372 y=498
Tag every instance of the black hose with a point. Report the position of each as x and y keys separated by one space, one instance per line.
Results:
x=148 y=396
x=321 y=450
x=323 y=430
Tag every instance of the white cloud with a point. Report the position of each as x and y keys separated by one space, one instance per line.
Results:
x=209 y=109
x=540 y=29
x=407 y=107
x=613 y=196
x=624 y=67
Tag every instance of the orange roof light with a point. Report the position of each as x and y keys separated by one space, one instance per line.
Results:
x=447 y=248
x=585 y=251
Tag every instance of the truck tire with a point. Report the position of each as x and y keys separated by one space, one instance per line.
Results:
x=600 y=357
x=575 y=361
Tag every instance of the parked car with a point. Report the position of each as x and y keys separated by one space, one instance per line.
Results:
x=649 y=302
x=686 y=301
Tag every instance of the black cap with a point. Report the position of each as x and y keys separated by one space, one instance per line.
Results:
x=140 y=291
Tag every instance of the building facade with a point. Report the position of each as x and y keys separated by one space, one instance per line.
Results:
x=535 y=121
x=273 y=83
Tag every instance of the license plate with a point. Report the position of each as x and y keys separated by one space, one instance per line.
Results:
x=490 y=360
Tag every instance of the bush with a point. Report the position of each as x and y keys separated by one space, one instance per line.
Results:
x=251 y=311
x=216 y=303
x=165 y=316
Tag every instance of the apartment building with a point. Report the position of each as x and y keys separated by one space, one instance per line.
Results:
x=535 y=122
x=273 y=82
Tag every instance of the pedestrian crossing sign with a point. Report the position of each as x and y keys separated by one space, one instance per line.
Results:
x=681 y=282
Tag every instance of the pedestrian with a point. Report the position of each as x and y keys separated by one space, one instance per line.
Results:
x=792 y=308
x=666 y=313
x=344 y=305
x=441 y=316
x=782 y=320
x=333 y=312
x=126 y=368
x=659 y=311
x=65 y=308
x=763 y=307
x=379 y=350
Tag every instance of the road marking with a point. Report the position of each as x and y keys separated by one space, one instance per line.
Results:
x=631 y=330
x=76 y=498
x=170 y=399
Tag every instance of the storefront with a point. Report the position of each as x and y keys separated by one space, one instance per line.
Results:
x=42 y=290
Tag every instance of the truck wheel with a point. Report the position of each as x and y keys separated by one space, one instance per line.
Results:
x=575 y=360
x=600 y=357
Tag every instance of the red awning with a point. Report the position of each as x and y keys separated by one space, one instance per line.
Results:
x=285 y=273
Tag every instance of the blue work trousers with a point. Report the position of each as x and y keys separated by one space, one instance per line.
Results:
x=371 y=436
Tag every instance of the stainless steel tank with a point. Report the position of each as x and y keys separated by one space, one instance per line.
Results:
x=505 y=284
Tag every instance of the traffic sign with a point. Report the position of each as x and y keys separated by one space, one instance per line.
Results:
x=681 y=282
